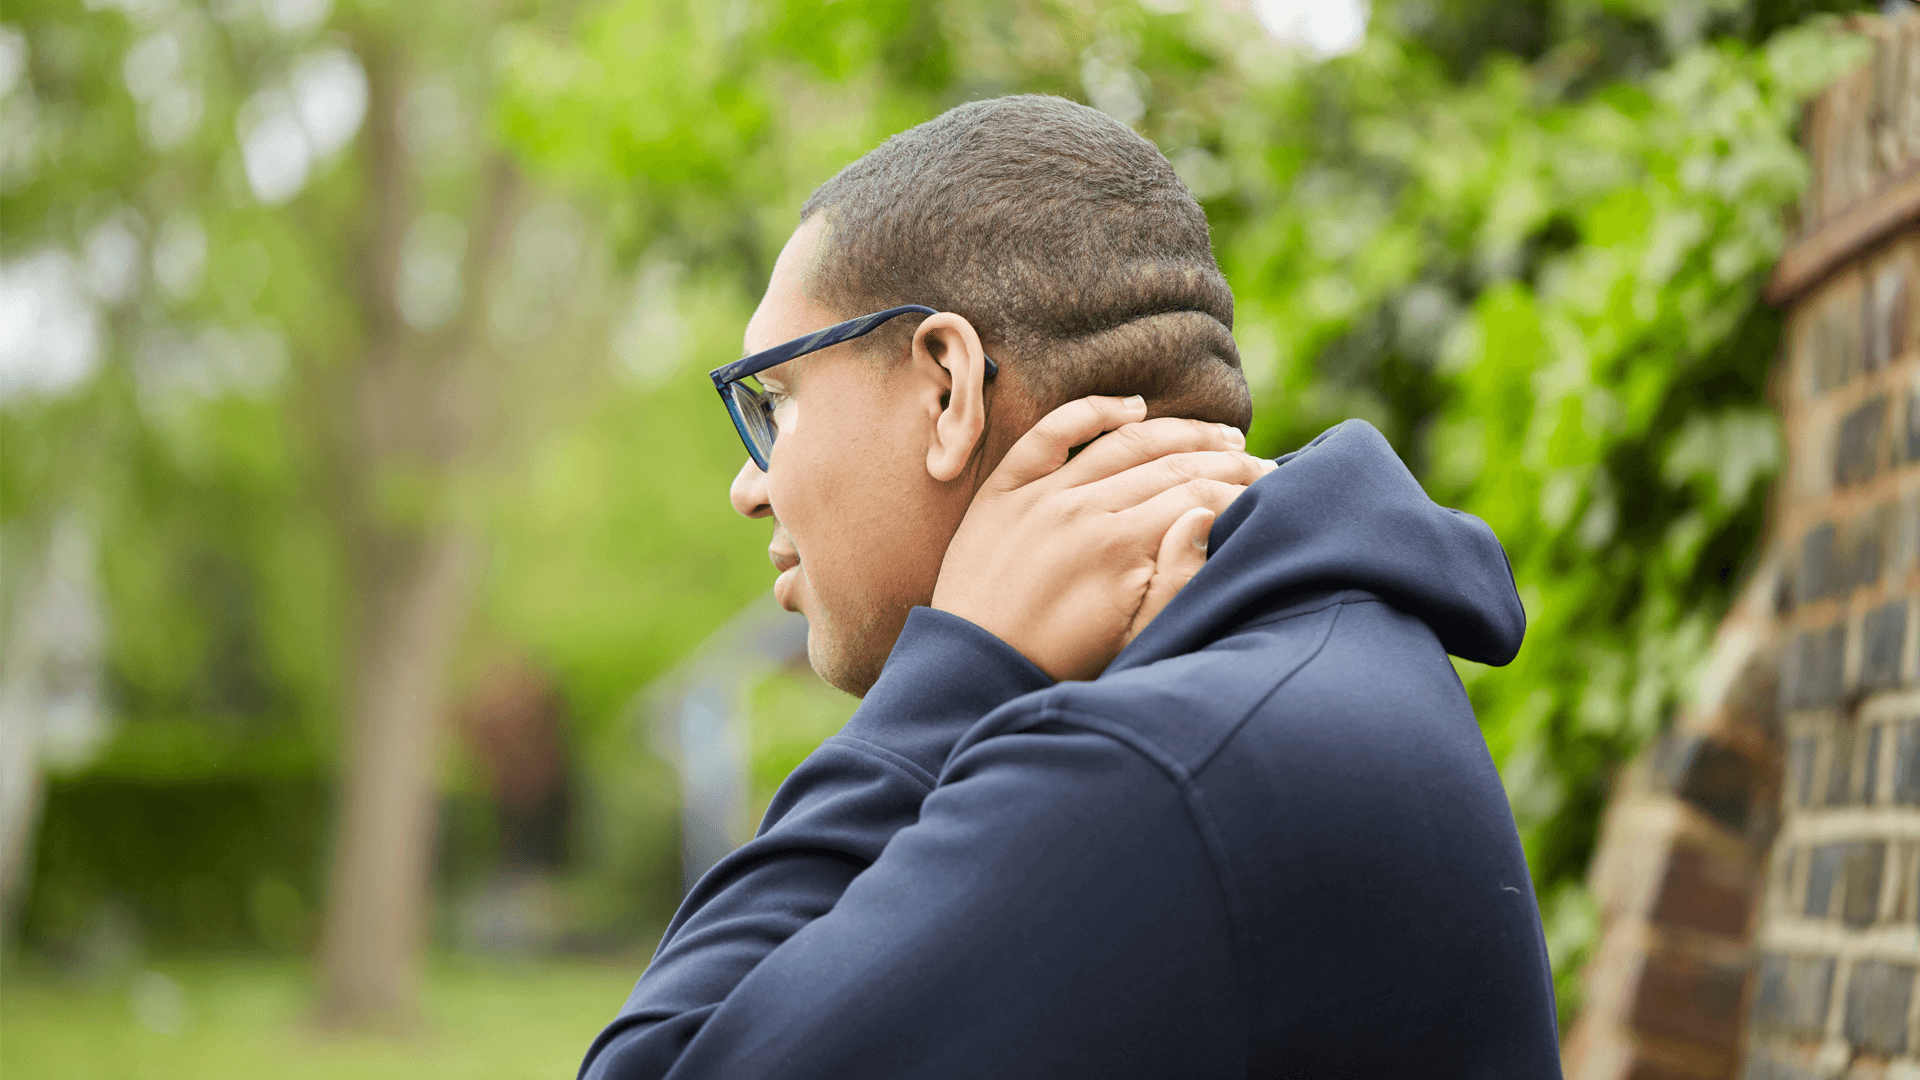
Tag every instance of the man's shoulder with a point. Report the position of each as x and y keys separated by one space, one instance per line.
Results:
x=1322 y=676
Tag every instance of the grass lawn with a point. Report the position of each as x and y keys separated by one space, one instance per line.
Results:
x=208 y=1019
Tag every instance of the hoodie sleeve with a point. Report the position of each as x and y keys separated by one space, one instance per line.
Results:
x=1053 y=912
x=827 y=823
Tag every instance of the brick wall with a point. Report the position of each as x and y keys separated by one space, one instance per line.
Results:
x=1758 y=874
x=1681 y=864
x=1838 y=941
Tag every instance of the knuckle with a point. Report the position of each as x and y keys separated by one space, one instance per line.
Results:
x=1200 y=433
x=1215 y=493
x=1171 y=434
x=1051 y=427
x=1184 y=467
x=1065 y=510
x=1133 y=437
x=1225 y=465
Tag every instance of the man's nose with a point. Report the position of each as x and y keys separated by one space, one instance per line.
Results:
x=749 y=491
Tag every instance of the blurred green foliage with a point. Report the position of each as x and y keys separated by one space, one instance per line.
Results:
x=239 y=867
x=1523 y=237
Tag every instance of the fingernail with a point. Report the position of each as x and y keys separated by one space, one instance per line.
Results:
x=1134 y=402
x=1234 y=435
x=1203 y=539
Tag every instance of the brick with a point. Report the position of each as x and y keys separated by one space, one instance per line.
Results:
x=1870 y=768
x=1691 y=999
x=1833 y=663
x=1820 y=571
x=1718 y=780
x=1823 y=868
x=1835 y=339
x=1864 y=861
x=1901 y=528
x=1856 y=456
x=1670 y=756
x=1869 y=551
x=1762 y=1066
x=1886 y=315
x=1840 y=768
x=1754 y=698
x=1912 y=441
x=1702 y=892
x=1800 y=766
x=1883 y=633
x=1899 y=313
x=1819 y=361
x=1642 y=1069
x=1815 y=669
x=1892 y=146
x=1793 y=994
x=1906 y=765
x=1878 y=994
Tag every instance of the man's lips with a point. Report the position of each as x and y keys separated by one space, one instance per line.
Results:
x=787 y=561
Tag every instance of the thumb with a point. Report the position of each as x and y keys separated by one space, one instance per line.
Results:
x=1183 y=551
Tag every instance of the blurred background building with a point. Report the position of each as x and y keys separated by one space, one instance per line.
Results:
x=377 y=646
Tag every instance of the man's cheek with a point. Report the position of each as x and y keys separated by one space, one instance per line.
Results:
x=835 y=593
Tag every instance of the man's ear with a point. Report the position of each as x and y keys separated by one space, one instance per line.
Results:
x=946 y=347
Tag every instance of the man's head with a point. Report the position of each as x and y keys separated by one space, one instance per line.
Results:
x=1053 y=239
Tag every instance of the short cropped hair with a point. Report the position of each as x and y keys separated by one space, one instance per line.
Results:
x=1067 y=240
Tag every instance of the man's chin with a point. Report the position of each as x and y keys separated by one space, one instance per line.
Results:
x=846 y=674
x=851 y=661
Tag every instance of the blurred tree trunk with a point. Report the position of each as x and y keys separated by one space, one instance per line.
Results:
x=52 y=684
x=377 y=896
x=418 y=408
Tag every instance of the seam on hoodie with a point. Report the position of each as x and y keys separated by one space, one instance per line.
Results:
x=1326 y=635
x=874 y=750
x=1331 y=598
x=1210 y=840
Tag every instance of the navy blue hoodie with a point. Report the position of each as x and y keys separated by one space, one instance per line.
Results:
x=1268 y=841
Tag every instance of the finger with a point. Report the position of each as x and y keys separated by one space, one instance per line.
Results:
x=1183 y=551
x=1156 y=515
x=1131 y=445
x=1043 y=449
x=1143 y=482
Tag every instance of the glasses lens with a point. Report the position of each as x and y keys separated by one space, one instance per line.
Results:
x=755 y=420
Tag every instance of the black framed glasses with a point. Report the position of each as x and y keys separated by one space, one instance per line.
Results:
x=749 y=404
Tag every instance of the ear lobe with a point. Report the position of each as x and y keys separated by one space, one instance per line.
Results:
x=947 y=346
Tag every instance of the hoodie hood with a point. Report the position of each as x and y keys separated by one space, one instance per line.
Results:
x=1343 y=512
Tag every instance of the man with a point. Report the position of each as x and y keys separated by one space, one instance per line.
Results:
x=1087 y=821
